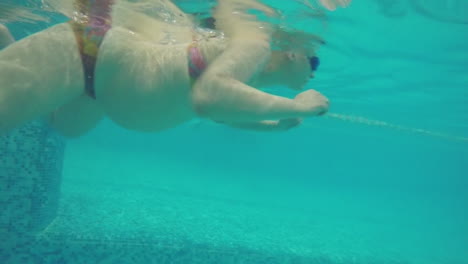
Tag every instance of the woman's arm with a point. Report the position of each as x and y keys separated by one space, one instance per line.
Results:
x=269 y=125
x=221 y=93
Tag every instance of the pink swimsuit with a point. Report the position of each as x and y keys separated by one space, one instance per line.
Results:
x=196 y=63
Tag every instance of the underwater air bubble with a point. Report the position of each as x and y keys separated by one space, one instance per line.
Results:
x=378 y=123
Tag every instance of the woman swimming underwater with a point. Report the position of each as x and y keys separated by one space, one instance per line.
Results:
x=147 y=74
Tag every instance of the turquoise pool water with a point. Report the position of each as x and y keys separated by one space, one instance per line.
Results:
x=382 y=179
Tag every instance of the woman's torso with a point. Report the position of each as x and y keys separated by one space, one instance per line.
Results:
x=142 y=72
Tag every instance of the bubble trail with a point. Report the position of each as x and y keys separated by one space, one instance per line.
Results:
x=378 y=123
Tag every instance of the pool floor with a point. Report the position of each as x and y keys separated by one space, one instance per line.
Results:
x=164 y=214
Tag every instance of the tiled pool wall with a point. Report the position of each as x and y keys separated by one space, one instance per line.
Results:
x=31 y=159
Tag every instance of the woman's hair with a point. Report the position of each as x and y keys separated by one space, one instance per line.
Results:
x=294 y=40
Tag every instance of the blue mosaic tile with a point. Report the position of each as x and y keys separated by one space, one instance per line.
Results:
x=31 y=160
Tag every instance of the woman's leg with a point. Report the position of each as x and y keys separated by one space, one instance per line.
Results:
x=76 y=117
x=39 y=74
